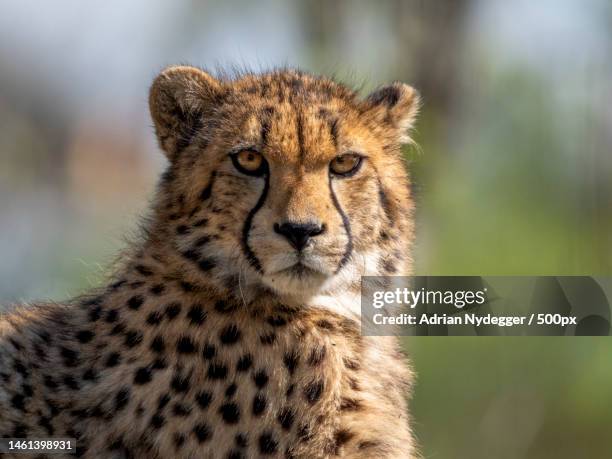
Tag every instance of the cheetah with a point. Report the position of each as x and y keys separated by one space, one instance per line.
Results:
x=231 y=327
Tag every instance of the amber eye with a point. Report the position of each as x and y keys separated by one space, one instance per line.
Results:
x=346 y=165
x=249 y=162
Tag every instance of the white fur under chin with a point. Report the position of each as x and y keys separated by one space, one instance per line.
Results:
x=328 y=292
x=346 y=304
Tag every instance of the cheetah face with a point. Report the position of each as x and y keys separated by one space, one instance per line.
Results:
x=284 y=180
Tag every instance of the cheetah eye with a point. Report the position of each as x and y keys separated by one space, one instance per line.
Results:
x=346 y=165
x=249 y=162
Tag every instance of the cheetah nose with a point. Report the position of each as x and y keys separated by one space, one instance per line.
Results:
x=298 y=234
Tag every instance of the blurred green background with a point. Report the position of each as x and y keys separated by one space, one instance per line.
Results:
x=513 y=174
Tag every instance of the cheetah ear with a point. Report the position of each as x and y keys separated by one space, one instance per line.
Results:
x=179 y=98
x=397 y=106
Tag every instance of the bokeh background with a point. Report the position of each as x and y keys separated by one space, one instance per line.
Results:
x=513 y=173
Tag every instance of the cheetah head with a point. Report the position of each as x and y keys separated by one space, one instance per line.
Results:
x=284 y=180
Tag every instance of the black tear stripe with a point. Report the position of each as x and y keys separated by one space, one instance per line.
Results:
x=248 y=253
x=347 y=227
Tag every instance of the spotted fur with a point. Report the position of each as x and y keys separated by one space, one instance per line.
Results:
x=215 y=338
